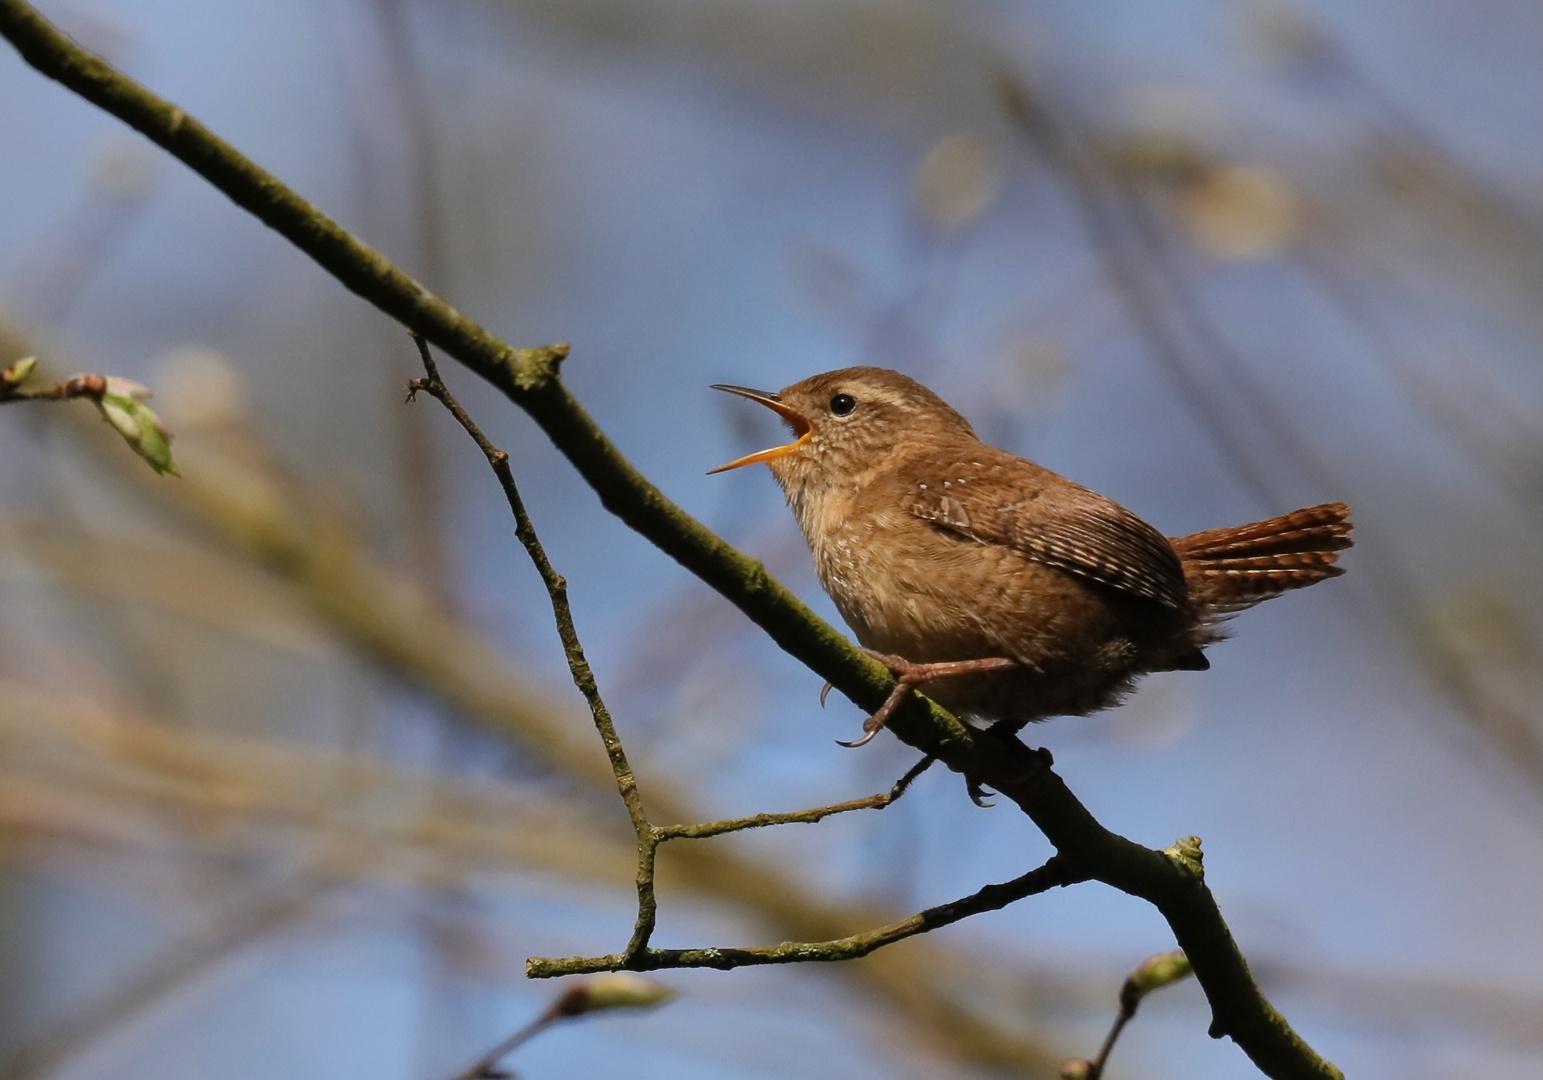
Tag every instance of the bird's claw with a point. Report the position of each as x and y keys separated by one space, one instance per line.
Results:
x=825 y=692
x=875 y=723
x=871 y=727
x=910 y=675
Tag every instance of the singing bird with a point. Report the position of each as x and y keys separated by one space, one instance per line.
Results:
x=1011 y=593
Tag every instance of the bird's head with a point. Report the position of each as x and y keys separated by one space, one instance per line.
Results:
x=848 y=422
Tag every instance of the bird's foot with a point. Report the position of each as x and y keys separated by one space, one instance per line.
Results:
x=1007 y=730
x=875 y=723
x=978 y=793
x=908 y=676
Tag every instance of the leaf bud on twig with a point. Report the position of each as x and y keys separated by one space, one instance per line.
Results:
x=1153 y=973
x=18 y=373
x=613 y=990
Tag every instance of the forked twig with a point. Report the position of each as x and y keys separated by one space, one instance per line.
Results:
x=573 y=650
x=638 y=955
x=1054 y=873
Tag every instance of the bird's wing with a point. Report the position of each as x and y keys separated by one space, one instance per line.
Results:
x=1053 y=521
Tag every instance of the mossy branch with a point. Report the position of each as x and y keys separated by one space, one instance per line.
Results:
x=1053 y=874
x=529 y=377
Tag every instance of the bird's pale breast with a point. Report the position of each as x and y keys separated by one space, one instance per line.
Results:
x=908 y=587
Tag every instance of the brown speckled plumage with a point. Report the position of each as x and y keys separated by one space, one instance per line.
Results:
x=937 y=547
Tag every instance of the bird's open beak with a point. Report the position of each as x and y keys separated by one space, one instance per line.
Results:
x=801 y=427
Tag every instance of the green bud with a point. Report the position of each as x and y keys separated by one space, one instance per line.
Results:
x=118 y=386
x=626 y=990
x=1164 y=969
x=18 y=373
x=1187 y=854
x=119 y=412
x=137 y=423
x=613 y=990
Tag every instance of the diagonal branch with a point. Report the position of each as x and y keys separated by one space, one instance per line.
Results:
x=529 y=377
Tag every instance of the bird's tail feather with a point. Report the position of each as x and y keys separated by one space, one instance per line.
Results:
x=1231 y=569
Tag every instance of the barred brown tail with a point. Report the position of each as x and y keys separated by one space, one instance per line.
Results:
x=1231 y=569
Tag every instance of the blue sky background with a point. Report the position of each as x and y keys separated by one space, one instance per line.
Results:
x=696 y=192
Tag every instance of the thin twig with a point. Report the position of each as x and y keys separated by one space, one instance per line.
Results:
x=1153 y=973
x=486 y=1066
x=573 y=651
x=91 y=387
x=1121 y=1018
x=616 y=991
x=760 y=821
x=1054 y=873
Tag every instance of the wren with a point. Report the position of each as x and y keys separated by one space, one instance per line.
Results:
x=1011 y=593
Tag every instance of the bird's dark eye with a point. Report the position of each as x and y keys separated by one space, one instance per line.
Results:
x=843 y=404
